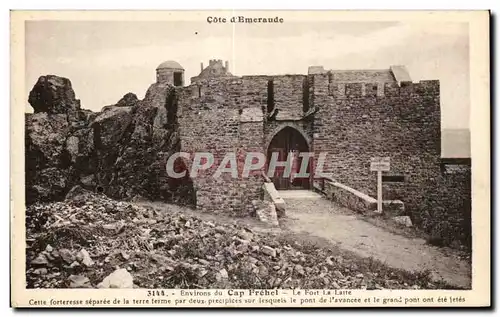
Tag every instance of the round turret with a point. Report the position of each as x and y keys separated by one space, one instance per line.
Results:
x=170 y=72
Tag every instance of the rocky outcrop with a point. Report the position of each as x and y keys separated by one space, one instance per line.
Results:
x=128 y=100
x=120 y=151
x=53 y=94
x=147 y=136
x=47 y=138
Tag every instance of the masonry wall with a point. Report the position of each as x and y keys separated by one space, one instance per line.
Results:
x=351 y=122
x=358 y=121
x=212 y=119
x=288 y=96
x=230 y=115
x=451 y=221
x=167 y=75
x=369 y=75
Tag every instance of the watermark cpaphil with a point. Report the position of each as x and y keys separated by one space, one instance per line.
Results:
x=296 y=164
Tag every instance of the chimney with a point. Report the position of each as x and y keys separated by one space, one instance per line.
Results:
x=226 y=66
x=201 y=66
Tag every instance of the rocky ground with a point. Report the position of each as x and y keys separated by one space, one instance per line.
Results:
x=90 y=240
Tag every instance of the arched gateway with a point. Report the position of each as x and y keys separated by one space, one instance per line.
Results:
x=286 y=142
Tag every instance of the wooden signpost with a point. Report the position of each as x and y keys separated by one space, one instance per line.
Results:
x=379 y=165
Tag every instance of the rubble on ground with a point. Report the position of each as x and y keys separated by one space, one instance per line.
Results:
x=90 y=240
x=403 y=221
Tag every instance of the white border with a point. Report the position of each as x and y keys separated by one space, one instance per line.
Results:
x=146 y=4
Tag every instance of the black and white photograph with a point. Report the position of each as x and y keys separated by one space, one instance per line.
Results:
x=259 y=153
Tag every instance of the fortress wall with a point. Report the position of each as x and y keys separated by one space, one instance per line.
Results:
x=382 y=75
x=252 y=93
x=208 y=123
x=358 y=121
x=210 y=118
x=229 y=116
x=252 y=103
x=288 y=95
x=325 y=121
x=355 y=122
x=250 y=188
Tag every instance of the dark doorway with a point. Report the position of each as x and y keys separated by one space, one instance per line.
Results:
x=177 y=79
x=284 y=143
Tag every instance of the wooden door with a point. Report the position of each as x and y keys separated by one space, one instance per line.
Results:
x=284 y=143
x=279 y=179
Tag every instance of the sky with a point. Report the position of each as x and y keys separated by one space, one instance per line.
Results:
x=107 y=59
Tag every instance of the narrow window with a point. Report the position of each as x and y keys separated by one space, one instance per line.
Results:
x=270 y=96
x=393 y=178
x=305 y=95
x=177 y=79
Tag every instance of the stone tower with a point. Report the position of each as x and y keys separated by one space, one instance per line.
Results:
x=215 y=69
x=170 y=72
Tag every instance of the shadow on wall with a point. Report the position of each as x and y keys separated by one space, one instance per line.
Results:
x=181 y=189
x=446 y=214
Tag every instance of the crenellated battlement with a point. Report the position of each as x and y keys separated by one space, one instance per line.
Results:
x=233 y=86
x=321 y=84
x=212 y=62
x=293 y=96
x=358 y=90
x=251 y=84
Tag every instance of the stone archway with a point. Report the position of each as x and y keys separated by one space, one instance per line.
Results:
x=284 y=142
x=281 y=126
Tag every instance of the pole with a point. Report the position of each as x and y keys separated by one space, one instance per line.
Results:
x=379 y=191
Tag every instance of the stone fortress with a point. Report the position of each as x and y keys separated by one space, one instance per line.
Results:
x=351 y=115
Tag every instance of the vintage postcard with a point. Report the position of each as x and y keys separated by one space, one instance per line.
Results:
x=250 y=159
